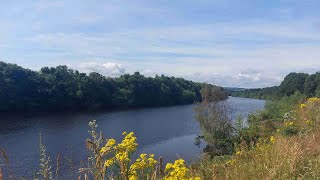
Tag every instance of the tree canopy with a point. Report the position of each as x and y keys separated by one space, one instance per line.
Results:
x=60 y=89
x=309 y=85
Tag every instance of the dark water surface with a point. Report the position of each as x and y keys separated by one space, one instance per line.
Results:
x=166 y=131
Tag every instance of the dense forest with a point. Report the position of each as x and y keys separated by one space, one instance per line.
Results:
x=306 y=84
x=61 y=89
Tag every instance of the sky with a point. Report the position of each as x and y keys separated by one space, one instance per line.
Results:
x=231 y=43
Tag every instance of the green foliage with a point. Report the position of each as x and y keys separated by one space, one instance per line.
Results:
x=312 y=84
x=290 y=131
x=275 y=109
x=259 y=93
x=61 y=89
x=293 y=82
x=213 y=116
x=317 y=93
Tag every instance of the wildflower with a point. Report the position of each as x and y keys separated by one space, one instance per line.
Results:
x=288 y=123
x=195 y=178
x=177 y=170
x=110 y=143
x=142 y=164
x=122 y=156
x=238 y=153
x=128 y=143
x=133 y=175
x=272 y=139
x=231 y=162
x=109 y=163
x=278 y=130
x=307 y=121
x=303 y=106
x=169 y=166
x=311 y=100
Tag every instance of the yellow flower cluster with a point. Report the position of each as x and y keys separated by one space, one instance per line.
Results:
x=128 y=144
x=177 y=171
x=303 y=106
x=310 y=101
x=314 y=99
x=272 y=140
x=108 y=147
x=231 y=162
x=307 y=121
x=288 y=123
x=142 y=164
x=120 y=155
x=122 y=150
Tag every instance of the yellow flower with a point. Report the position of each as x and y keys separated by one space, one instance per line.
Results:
x=303 y=105
x=307 y=121
x=109 y=163
x=288 y=123
x=177 y=170
x=143 y=163
x=168 y=166
x=272 y=139
x=231 y=162
x=110 y=143
x=122 y=156
x=311 y=100
x=238 y=153
x=133 y=177
x=128 y=143
x=195 y=178
x=278 y=130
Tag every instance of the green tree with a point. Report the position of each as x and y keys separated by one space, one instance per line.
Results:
x=293 y=82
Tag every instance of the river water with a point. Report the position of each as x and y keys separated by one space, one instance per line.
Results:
x=165 y=131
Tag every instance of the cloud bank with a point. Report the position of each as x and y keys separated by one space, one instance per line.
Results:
x=108 y=69
x=245 y=44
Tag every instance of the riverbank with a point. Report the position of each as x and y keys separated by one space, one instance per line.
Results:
x=282 y=148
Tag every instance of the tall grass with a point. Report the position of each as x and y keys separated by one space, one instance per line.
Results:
x=282 y=155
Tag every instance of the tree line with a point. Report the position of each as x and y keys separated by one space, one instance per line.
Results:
x=307 y=84
x=60 y=89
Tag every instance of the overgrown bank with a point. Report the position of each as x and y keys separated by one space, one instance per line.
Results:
x=280 y=142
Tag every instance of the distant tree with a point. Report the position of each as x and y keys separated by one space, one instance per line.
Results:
x=293 y=82
x=311 y=84
x=61 y=89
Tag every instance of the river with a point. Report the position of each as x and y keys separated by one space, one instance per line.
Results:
x=165 y=131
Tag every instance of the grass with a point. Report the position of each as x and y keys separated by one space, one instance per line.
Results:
x=277 y=154
x=288 y=158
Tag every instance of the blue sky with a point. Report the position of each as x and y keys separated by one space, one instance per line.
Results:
x=235 y=43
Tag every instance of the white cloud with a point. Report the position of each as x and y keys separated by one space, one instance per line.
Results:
x=249 y=52
x=109 y=69
x=148 y=72
x=242 y=79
